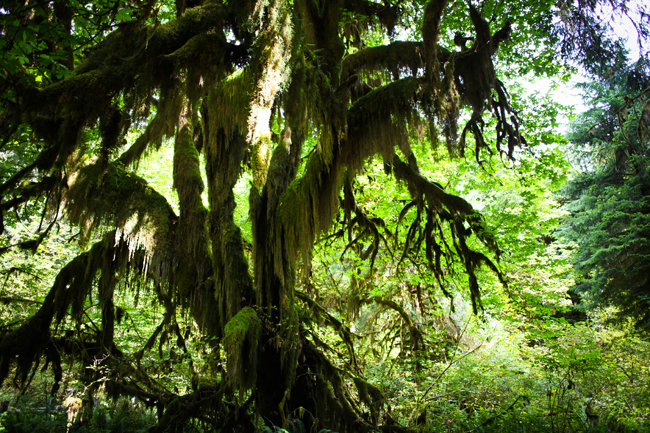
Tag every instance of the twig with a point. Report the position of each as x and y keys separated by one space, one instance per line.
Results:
x=17 y=269
x=493 y=417
x=8 y=299
x=464 y=355
x=452 y=362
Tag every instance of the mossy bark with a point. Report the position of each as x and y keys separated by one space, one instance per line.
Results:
x=194 y=266
x=321 y=26
x=274 y=267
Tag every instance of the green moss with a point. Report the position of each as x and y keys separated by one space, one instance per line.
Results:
x=187 y=169
x=261 y=155
x=203 y=48
x=241 y=340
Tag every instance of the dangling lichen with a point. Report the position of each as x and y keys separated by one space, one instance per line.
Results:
x=381 y=120
x=389 y=61
x=241 y=341
x=123 y=200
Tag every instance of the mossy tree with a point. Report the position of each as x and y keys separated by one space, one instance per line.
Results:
x=290 y=91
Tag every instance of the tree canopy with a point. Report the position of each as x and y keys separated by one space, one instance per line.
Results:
x=306 y=99
x=609 y=196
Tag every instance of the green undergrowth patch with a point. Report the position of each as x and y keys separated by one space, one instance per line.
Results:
x=40 y=414
x=556 y=377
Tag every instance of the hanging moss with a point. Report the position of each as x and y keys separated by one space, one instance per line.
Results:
x=430 y=35
x=134 y=61
x=387 y=14
x=229 y=104
x=204 y=57
x=305 y=209
x=225 y=151
x=381 y=120
x=161 y=126
x=449 y=113
x=241 y=340
x=319 y=108
x=115 y=196
x=393 y=58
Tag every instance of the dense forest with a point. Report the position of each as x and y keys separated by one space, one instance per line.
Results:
x=324 y=216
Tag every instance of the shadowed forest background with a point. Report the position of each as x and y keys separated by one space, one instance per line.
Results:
x=324 y=216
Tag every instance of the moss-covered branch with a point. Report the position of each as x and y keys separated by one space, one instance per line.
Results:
x=117 y=198
x=164 y=124
x=128 y=53
x=430 y=35
x=445 y=207
x=321 y=315
x=26 y=344
x=387 y=14
x=393 y=58
x=415 y=333
x=25 y=193
x=194 y=263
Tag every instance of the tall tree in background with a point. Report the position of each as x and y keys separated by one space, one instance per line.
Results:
x=294 y=93
x=610 y=219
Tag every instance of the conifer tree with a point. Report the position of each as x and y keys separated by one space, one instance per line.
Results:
x=610 y=195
